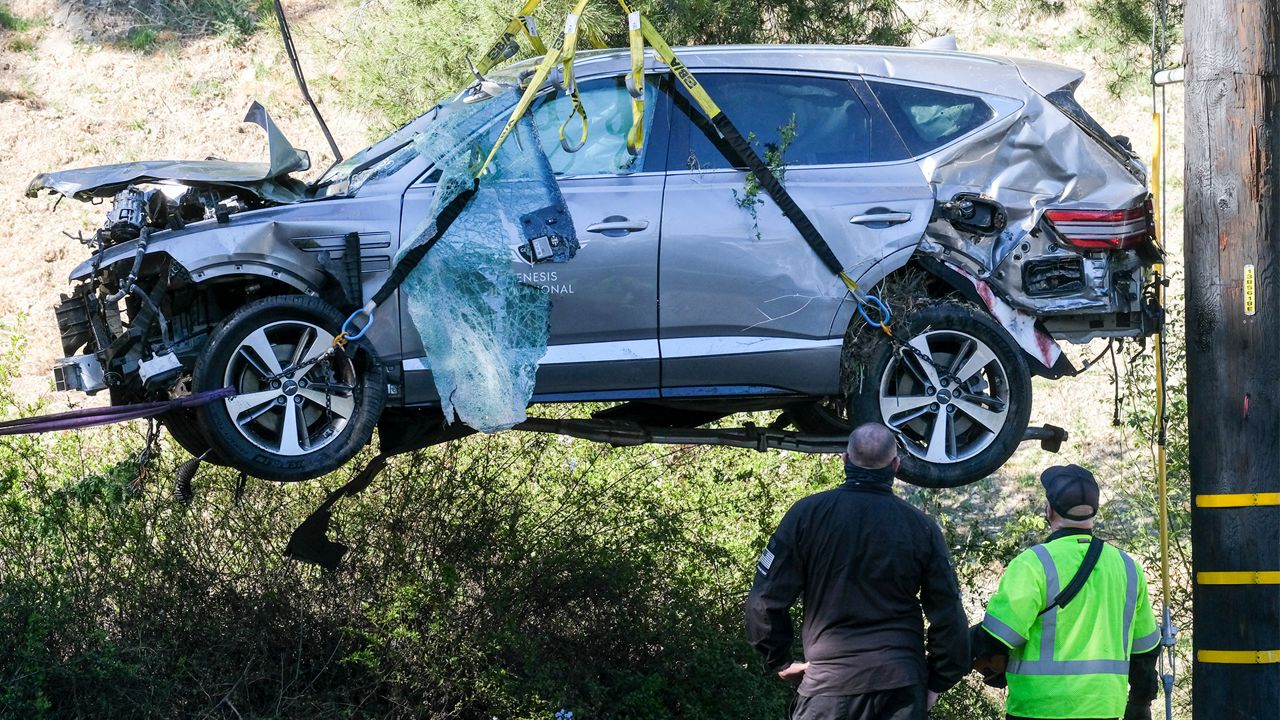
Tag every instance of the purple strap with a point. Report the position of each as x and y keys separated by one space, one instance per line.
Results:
x=90 y=417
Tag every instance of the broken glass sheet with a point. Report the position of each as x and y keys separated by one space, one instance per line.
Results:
x=484 y=331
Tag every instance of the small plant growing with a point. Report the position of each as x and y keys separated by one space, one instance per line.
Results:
x=775 y=157
x=9 y=21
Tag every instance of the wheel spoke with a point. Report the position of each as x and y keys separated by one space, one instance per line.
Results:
x=925 y=358
x=341 y=406
x=242 y=404
x=289 y=433
x=899 y=422
x=266 y=361
x=316 y=343
x=993 y=421
x=305 y=341
x=896 y=405
x=980 y=358
x=937 y=450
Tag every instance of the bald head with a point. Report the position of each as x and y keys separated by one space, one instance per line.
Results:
x=872 y=446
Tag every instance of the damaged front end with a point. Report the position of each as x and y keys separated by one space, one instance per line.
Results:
x=135 y=318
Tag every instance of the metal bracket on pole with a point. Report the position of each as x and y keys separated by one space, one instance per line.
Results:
x=1171 y=76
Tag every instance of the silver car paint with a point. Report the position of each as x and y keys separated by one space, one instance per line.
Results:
x=1028 y=157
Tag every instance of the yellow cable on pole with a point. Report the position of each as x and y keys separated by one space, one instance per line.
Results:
x=1162 y=480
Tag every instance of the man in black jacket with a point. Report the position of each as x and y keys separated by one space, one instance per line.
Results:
x=866 y=563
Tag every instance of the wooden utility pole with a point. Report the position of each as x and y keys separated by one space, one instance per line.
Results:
x=1233 y=353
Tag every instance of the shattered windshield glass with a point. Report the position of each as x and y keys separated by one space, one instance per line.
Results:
x=484 y=331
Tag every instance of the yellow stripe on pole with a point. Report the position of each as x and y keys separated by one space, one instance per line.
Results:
x=1239 y=657
x=1257 y=577
x=1238 y=500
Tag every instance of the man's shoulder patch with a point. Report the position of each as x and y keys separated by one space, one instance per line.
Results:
x=766 y=561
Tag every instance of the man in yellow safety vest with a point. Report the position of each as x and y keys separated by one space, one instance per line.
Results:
x=1073 y=615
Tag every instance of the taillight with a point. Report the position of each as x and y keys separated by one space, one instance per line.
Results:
x=1103 y=229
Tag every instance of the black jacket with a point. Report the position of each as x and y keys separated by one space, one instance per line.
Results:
x=866 y=563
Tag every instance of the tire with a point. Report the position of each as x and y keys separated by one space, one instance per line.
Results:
x=983 y=391
x=284 y=428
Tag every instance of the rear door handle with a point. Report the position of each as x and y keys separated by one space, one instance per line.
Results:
x=889 y=218
x=618 y=226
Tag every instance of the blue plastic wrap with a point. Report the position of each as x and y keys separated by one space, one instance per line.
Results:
x=483 y=330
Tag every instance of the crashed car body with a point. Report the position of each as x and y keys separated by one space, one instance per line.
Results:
x=977 y=183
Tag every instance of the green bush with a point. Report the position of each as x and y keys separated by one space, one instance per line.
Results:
x=508 y=576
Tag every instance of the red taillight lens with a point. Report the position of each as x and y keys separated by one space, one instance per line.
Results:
x=1103 y=229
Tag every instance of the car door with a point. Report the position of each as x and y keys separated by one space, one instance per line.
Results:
x=604 y=320
x=746 y=306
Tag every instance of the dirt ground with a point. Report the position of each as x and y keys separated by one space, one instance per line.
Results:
x=67 y=101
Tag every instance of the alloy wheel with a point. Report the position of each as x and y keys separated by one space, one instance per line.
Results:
x=946 y=395
x=285 y=404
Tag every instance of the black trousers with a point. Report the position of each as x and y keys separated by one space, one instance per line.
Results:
x=904 y=703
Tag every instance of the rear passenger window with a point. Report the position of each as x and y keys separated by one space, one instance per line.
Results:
x=928 y=118
x=825 y=122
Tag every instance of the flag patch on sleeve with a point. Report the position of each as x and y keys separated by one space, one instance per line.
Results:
x=766 y=560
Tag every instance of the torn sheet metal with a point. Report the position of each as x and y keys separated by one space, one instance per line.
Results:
x=1027 y=161
x=1021 y=326
x=269 y=181
x=1030 y=160
x=484 y=331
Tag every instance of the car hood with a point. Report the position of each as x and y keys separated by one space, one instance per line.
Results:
x=269 y=181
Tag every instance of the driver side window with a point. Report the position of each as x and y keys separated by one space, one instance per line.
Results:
x=608 y=107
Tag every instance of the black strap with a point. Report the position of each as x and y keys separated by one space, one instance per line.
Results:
x=769 y=182
x=410 y=260
x=352 y=271
x=1080 y=578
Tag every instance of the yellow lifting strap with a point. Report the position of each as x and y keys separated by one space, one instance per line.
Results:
x=506 y=46
x=531 y=91
x=567 y=51
x=635 y=83
x=640 y=30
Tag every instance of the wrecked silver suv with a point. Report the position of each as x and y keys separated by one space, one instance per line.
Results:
x=973 y=194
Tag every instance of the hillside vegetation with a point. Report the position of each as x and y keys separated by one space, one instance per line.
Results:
x=510 y=576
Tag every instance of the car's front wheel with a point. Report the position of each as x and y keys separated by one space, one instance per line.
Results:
x=954 y=389
x=292 y=418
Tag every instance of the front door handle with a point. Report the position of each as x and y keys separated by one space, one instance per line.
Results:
x=889 y=218
x=616 y=226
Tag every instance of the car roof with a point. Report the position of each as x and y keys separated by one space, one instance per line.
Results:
x=941 y=67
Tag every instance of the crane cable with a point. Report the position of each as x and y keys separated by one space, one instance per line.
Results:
x=1168 y=633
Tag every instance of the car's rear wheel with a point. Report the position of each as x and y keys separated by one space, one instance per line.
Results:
x=292 y=418
x=955 y=390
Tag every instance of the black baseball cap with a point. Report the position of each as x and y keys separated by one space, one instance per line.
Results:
x=1068 y=486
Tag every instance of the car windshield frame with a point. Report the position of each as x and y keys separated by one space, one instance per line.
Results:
x=339 y=179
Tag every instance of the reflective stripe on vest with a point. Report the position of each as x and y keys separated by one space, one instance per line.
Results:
x=997 y=627
x=1049 y=620
x=1068 y=667
x=1130 y=598
x=1046 y=665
